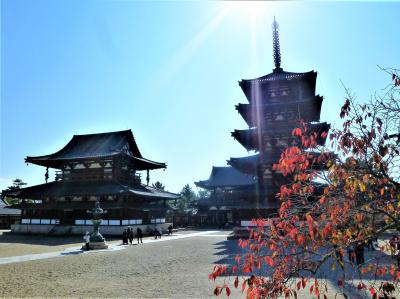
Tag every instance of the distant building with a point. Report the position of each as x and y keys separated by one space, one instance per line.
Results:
x=96 y=167
x=276 y=104
x=231 y=194
x=8 y=216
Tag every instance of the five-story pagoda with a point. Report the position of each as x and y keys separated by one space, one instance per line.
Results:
x=277 y=103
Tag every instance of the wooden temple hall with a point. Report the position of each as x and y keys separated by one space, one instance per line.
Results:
x=104 y=167
x=276 y=103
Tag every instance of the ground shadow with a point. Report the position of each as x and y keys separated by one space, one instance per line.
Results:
x=229 y=249
x=29 y=239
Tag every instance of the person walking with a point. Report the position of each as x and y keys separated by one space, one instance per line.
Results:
x=139 y=235
x=86 y=237
x=351 y=253
x=125 y=237
x=359 y=250
x=157 y=232
x=170 y=230
x=130 y=234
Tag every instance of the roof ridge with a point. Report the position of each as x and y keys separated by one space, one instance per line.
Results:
x=104 y=133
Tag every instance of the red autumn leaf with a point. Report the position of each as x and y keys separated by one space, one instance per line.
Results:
x=269 y=261
x=228 y=291
x=298 y=285
x=244 y=285
x=236 y=283
x=340 y=283
x=297 y=132
x=328 y=229
x=372 y=291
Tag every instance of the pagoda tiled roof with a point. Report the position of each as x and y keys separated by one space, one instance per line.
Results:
x=281 y=76
x=249 y=164
x=95 y=146
x=308 y=110
x=249 y=137
x=226 y=177
x=91 y=188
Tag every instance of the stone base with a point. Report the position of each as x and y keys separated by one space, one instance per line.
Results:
x=239 y=233
x=96 y=245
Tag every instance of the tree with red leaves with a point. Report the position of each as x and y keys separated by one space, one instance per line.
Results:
x=335 y=205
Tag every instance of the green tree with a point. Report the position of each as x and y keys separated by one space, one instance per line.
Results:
x=187 y=200
x=17 y=185
x=203 y=194
x=159 y=186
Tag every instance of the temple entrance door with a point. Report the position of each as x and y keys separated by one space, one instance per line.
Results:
x=68 y=217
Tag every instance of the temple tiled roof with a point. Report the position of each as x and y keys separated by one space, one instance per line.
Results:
x=88 y=188
x=89 y=205
x=236 y=204
x=93 y=146
x=7 y=211
x=226 y=177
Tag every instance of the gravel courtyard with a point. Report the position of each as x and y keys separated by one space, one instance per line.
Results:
x=172 y=268
x=175 y=267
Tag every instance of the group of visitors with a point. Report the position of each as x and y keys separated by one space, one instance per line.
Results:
x=356 y=253
x=355 y=250
x=128 y=235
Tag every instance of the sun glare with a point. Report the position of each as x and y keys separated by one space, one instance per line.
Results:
x=250 y=9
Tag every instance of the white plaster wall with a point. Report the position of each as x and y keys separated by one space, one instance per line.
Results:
x=46 y=229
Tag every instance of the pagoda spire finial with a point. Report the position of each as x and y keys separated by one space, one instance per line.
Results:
x=276 y=46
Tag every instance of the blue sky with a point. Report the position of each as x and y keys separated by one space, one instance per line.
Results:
x=169 y=71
